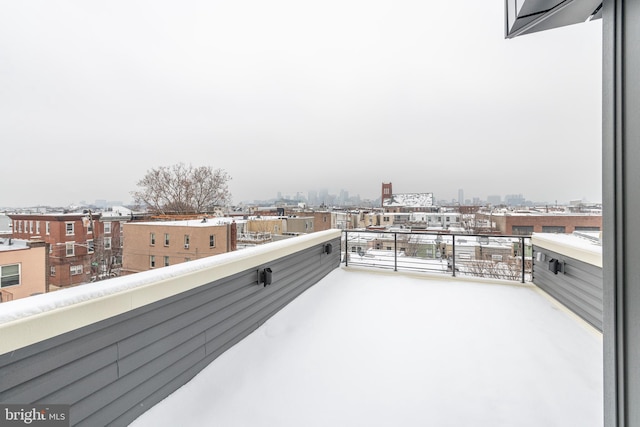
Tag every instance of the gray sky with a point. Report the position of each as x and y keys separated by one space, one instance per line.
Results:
x=293 y=96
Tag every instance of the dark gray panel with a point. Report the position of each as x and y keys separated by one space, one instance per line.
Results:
x=579 y=287
x=114 y=370
x=54 y=380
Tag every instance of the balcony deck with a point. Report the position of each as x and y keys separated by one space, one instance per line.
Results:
x=380 y=348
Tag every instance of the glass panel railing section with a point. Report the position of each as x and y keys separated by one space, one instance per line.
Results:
x=477 y=255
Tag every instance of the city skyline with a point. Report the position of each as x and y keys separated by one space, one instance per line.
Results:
x=290 y=94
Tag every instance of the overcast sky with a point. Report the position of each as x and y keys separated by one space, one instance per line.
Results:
x=293 y=96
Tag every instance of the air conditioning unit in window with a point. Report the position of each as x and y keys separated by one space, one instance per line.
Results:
x=186 y=246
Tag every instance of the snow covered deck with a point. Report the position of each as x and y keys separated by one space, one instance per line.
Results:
x=388 y=349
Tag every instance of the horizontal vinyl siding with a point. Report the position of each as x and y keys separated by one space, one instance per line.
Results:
x=579 y=287
x=114 y=370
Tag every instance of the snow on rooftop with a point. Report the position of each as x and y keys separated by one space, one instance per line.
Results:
x=395 y=350
x=410 y=200
x=10 y=244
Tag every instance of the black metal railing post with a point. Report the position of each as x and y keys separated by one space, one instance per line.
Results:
x=453 y=254
x=395 y=251
x=346 y=248
x=522 y=250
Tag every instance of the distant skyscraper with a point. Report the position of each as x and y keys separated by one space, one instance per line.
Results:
x=494 y=200
x=312 y=199
x=460 y=196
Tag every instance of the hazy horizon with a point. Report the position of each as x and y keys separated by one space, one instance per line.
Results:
x=295 y=96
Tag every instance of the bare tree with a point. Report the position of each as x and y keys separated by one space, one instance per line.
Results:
x=183 y=189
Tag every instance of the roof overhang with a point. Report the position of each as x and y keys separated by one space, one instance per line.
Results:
x=530 y=16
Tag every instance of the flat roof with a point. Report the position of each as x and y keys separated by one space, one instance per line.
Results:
x=380 y=349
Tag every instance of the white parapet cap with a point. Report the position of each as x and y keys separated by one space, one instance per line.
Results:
x=571 y=246
x=30 y=320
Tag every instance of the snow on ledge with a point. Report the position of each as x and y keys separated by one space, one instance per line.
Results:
x=570 y=245
x=29 y=320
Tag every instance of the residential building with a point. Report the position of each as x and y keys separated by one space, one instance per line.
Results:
x=23 y=268
x=154 y=244
x=528 y=222
x=82 y=246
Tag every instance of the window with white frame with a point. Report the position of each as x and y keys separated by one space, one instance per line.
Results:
x=107 y=243
x=90 y=246
x=76 y=269
x=166 y=261
x=186 y=241
x=20 y=226
x=70 y=248
x=212 y=241
x=166 y=239
x=31 y=226
x=9 y=275
x=152 y=261
x=37 y=227
x=107 y=227
x=152 y=239
x=47 y=227
x=69 y=227
x=52 y=270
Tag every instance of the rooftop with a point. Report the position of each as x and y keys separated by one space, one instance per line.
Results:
x=379 y=349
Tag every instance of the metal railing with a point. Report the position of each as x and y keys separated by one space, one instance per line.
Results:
x=505 y=257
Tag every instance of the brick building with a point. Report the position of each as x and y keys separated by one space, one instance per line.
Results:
x=82 y=247
x=156 y=244
x=526 y=223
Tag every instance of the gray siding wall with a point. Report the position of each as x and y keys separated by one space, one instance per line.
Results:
x=112 y=371
x=578 y=287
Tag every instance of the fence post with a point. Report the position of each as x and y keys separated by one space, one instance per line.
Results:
x=453 y=261
x=395 y=251
x=522 y=249
x=346 y=248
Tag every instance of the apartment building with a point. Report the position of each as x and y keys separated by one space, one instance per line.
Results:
x=82 y=246
x=155 y=244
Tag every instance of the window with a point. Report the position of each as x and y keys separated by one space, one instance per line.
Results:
x=107 y=243
x=166 y=261
x=583 y=228
x=9 y=275
x=495 y=257
x=70 y=248
x=553 y=229
x=152 y=239
x=37 y=227
x=107 y=227
x=186 y=241
x=20 y=226
x=69 y=229
x=152 y=261
x=187 y=259
x=76 y=269
x=90 y=246
x=212 y=241
x=47 y=227
x=30 y=227
x=52 y=270
x=522 y=230
x=166 y=239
